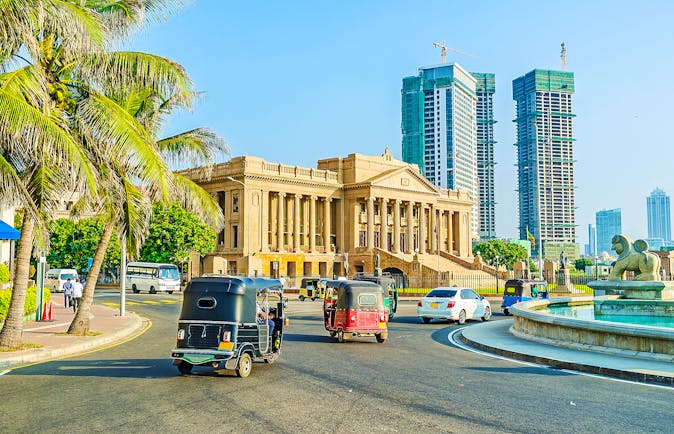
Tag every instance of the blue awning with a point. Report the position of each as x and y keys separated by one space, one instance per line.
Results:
x=7 y=232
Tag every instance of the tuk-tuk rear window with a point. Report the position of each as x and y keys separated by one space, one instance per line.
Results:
x=367 y=299
x=444 y=293
x=510 y=290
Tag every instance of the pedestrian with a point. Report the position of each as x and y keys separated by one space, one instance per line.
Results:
x=67 y=293
x=77 y=294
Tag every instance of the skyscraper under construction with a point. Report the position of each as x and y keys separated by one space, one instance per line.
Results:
x=545 y=164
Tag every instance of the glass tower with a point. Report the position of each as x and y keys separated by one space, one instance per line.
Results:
x=659 y=219
x=545 y=164
x=609 y=223
x=439 y=128
x=485 y=89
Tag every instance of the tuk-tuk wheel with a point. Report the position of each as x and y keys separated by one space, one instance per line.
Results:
x=340 y=336
x=381 y=339
x=245 y=365
x=313 y=298
x=333 y=334
x=185 y=368
x=301 y=298
x=506 y=312
x=462 y=317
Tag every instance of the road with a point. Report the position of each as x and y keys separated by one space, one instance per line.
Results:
x=415 y=382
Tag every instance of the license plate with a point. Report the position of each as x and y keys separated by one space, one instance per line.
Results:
x=434 y=305
x=382 y=325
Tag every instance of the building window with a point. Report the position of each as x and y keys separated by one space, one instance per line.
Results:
x=235 y=236
x=235 y=203
x=376 y=239
x=362 y=207
x=362 y=239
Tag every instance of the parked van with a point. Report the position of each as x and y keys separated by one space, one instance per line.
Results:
x=56 y=277
x=151 y=277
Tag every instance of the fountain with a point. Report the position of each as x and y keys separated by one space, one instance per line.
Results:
x=634 y=316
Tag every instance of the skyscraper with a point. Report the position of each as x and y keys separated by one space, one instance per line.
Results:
x=485 y=87
x=659 y=218
x=439 y=128
x=609 y=223
x=591 y=247
x=545 y=164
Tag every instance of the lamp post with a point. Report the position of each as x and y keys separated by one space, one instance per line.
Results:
x=245 y=204
x=596 y=267
x=496 y=261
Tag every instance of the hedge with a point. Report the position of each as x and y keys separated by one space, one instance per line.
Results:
x=29 y=307
x=4 y=273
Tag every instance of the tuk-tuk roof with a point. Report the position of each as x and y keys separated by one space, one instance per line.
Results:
x=232 y=284
x=523 y=282
x=354 y=285
x=372 y=278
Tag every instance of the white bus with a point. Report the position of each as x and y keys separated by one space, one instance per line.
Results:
x=151 y=277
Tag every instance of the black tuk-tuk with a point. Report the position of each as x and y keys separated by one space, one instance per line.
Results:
x=517 y=290
x=229 y=322
x=389 y=286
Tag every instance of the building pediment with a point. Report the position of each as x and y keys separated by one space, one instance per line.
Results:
x=401 y=178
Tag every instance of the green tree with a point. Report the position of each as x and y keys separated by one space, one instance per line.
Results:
x=72 y=244
x=174 y=233
x=581 y=263
x=507 y=252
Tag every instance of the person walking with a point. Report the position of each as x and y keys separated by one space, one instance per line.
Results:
x=67 y=293
x=77 y=294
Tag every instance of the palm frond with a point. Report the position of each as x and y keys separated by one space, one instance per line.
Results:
x=136 y=215
x=197 y=147
x=195 y=199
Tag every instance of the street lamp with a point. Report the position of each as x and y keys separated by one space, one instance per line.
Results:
x=245 y=205
x=496 y=260
x=596 y=267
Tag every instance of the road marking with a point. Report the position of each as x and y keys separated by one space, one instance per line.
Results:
x=5 y=372
x=110 y=304
x=150 y=302
x=170 y=301
x=452 y=340
x=46 y=327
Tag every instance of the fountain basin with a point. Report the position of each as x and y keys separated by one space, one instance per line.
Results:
x=531 y=322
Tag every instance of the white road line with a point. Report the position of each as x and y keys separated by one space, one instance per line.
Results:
x=455 y=342
x=5 y=372
x=46 y=327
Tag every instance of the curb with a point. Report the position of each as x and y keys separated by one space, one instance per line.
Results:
x=638 y=377
x=132 y=327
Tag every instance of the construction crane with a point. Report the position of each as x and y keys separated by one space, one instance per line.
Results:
x=443 y=51
x=563 y=56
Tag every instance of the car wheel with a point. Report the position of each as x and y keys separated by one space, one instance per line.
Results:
x=506 y=312
x=462 y=317
x=381 y=339
x=302 y=298
x=333 y=334
x=134 y=289
x=244 y=366
x=425 y=319
x=487 y=314
x=185 y=368
x=313 y=298
x=340 y=336
x=152 y=290
x=169 y=292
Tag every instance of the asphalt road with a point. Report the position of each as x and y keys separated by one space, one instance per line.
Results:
x=415 y=382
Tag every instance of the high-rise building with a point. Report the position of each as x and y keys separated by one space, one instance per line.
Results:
x=591 y=246
x=609 y=223
x=545 y=164
x=439 y=128
x=485 y=87
x=659 y=218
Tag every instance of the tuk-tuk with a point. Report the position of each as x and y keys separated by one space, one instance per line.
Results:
x=229 y=322
x=517 y=290
x=354 y=308
x=390 y=288
x=309 y=288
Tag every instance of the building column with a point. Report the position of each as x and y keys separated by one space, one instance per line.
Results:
x=410 y=227
x=396 y=226
x=423 y=228
x=442 y=237
x=326 y=224
x=450 y=232
x=264 y=220
x=432 y=211
x=383 y=223
x=280 y=222
x=296 y=224
x=312 y=224
x=339 y=228
x=370 y=223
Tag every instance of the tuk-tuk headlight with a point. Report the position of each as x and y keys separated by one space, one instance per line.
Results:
x=226 y=336
x=181 y=334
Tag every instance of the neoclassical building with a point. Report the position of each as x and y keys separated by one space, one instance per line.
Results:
x=294 y=221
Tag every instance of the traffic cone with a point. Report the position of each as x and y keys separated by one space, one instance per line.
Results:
x=48 y=312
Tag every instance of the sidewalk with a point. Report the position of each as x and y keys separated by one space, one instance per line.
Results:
x=104 y=320
x=495 y=337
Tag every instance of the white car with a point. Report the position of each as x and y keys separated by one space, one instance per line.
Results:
x=457 y=304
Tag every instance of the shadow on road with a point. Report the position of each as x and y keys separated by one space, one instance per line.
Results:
x=297 y=337
x=120 y=368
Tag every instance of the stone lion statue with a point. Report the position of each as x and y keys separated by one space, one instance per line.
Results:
x=634 y=257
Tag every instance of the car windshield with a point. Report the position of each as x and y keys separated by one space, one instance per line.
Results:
x=68 y=276
x=445 y=293
x=169 y=273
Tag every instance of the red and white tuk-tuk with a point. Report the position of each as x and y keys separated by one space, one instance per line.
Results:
x=354 y=308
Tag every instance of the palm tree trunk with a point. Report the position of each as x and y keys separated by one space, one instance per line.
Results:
x=10 y=336
x=80 y=324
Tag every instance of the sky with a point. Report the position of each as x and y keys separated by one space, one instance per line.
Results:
x=297 y=81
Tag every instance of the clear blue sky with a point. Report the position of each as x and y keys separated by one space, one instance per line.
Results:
x=295 y=82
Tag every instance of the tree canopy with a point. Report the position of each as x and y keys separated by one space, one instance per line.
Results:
x=73 y=243
x=507 y=252
x=581 y=263
x=174 y=233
